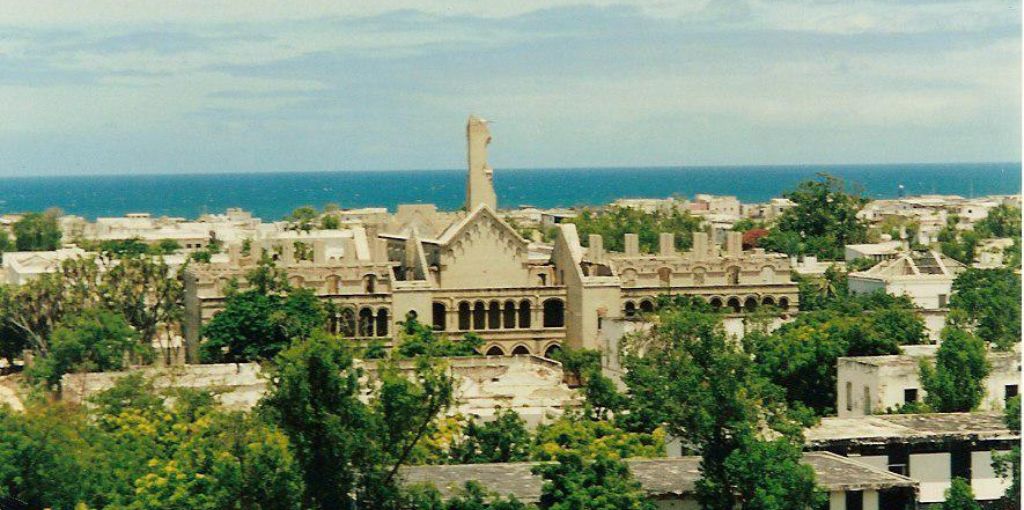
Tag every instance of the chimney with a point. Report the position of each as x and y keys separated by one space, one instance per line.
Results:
x=734 y=243
x=667 y=244
x=631 y=243
x=700 y=245
x=596 y=247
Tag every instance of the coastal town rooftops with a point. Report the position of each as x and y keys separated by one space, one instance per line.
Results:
x=909 y=428
x=668 y=477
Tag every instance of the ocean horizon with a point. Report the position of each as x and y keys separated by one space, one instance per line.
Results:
x=271 y=195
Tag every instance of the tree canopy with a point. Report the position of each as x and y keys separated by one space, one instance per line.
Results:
x=37 y=231
x=822 y=221
x=954 y=384
x=990 y=300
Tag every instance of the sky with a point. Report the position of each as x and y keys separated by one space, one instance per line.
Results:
x=204 y=86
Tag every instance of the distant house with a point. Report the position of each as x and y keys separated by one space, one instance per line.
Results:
x=670 y=482
x=931 y=449
x=874 y=251
x=877 y=384
x=21 y=267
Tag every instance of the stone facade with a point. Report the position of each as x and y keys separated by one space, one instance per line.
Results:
x=471 y=272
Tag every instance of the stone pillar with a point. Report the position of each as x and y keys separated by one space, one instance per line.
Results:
x=319 y=252
x=234 y=253
x=700 y=245
x=631 y=244
x=287 y=253
x=734 y=243
x=596 y=247
x=666 y=244
x=480 y=180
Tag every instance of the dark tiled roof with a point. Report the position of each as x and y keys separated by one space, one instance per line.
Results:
x=670 y=478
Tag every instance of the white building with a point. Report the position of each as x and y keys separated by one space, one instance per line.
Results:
x=931 y=449
x=926 y=277
x=878 y=384
x=23 y=266
x=874 y=251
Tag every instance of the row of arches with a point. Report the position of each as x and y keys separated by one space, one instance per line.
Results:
x=492 y=315
x=522 y=350
x=367 y=322
x=735 y=303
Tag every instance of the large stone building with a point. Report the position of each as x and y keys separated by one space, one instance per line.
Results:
x=471 y=272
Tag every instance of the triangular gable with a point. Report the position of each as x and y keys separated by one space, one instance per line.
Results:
x=481 y=213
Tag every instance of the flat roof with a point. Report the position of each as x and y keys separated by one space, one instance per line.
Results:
x=909 y=428
x=667 y=477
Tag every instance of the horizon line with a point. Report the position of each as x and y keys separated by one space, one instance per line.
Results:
x=534 y=168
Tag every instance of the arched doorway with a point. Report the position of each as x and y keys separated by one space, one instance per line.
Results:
x=552 y=351
x=750 y=304
x=734 y=303
x=382 y=322
x=524 y=314
x=479 y=315
x=508 y=315
x=365 y=322
x=493 y=315
x=464 y=316
x=521 y=350
x=646 y=306
x=495 y=351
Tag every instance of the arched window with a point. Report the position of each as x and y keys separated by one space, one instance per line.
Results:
x=784 y=303
x=750 y=304
x=552 y=351
x=554 y=313
x=370 y=283
x=630 y=309
x=734 y=303
x=716 y=302
x=768 y=301
x=464 y=316
x=479 y=315
x=347 y=322
x=521 y=350
x=509 y=315
x=524 y=314
x=382 y=322
x=646 y=306
x=365 y=322
x=440 y=316
x=494 y=315
x=495 y=351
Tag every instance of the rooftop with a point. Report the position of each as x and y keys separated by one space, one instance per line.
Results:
x=909 y=428
x=675 y=476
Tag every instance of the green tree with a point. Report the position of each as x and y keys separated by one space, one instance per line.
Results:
x=37 y=231
x=590 y=438
x=330 y=222
x=601 y=483
x=991 y=302
x=95 y=340
x=688 y=375
x=417 y=339
x=1007 y=465
x=302 y=218
x=959 y=496
x=954 y=384
x=315 y=396
x=257 y=326
x=822 y=221
x=1001 y=221
x=504 y=439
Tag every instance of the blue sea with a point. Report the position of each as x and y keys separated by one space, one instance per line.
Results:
x=272 y=195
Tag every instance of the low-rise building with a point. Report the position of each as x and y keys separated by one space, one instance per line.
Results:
x=924 y=276
x=21 y=267
x=877 y=384
x=671 y=482
x=931 y=449
x=874 y=251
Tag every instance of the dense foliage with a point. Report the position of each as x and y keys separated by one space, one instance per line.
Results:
x=990 y=301
x=261 y=321
x=688 y=376
x=955 y=383
x=1007 y=465
x=37 y=231
x=614 y=223
x=601 y=483
x=959 y=496
x=92 y=340
x=822 y=221
x=801 y=355
x=140 y=450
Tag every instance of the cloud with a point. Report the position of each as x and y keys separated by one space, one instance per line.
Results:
x=263 y=85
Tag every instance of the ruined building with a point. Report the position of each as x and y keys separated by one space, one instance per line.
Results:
x=471 y=272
